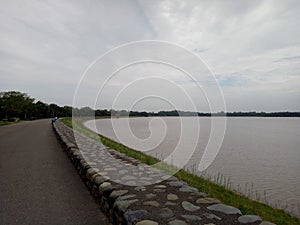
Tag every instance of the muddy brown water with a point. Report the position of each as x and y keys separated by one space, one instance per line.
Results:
x=259 y=156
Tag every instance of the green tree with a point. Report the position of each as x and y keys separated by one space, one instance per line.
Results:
x=54 y=110
x=15 y=104
x=41 y=110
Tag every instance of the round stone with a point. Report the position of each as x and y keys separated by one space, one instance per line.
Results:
x=150 y=195
x=131 y=183
x=141 y=168
x=122 y=205
x=166 y=213
x=172 y=197
x=140 y=188
x=118 y=193
x=211 y=216
x=125 y=197
x=249 y=219
x=224 y=209
x=170 y=203
x=147 y=222
x=189 y=206
x=100 y=179
x=176 y=183
x=146 y=178
x=177 y=222
x=94 y=176
x=123 y=171
x=102 y=173
x=106 y=186
x=110 y=169
x=186 y=188
x=90 y=172
x=144 y=183
x=71 y=145
x=151 y=203
x=191 y=217
x=266 y=223
x=207 y=201
x=199 y=194
x=133 y=216
x=128 y=177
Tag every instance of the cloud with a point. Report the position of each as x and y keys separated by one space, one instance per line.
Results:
x=252 y=47
x=296 y=58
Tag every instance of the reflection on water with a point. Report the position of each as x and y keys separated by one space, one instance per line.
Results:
x=260 y=155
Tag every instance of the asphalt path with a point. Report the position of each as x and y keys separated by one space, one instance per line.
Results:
x=38 y=183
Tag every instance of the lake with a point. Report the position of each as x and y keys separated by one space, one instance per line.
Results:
x=259 y=156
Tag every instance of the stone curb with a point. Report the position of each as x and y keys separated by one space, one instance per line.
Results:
x=125 y=205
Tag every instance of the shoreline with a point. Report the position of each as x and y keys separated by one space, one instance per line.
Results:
x=213 y=190
x=255 y=176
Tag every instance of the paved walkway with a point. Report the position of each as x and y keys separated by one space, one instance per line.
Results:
x=38 y=183
x=135 y=193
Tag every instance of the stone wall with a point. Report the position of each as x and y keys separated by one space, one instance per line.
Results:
x=133 y=193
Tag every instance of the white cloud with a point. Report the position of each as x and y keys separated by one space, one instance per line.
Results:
x=253 y=47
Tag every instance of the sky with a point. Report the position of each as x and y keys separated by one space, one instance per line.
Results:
x=249 y=53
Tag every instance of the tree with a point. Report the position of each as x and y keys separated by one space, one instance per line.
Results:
x=55 y=110
x=41 y=110
x=67 y=111
x=15 y=104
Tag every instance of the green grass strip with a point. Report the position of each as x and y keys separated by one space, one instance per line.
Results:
x=229 y=197
x=2 y=123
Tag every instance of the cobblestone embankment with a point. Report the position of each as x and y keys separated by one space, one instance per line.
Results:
x=133 y=193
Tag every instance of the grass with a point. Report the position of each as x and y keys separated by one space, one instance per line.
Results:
x=2 y=123
x=221 y=192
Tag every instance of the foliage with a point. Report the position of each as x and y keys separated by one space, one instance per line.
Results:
x=15 y=105
x=2 y=123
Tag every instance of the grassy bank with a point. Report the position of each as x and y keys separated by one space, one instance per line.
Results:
x=246 y=205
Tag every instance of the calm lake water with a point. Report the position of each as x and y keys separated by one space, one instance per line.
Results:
x=260 y=156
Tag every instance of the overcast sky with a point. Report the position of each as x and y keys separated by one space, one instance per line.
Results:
x=252 y=47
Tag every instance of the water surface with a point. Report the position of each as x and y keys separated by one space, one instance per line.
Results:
x=261 y=156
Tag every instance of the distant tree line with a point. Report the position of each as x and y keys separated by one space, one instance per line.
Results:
x=263 y=114
x=16 y=105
